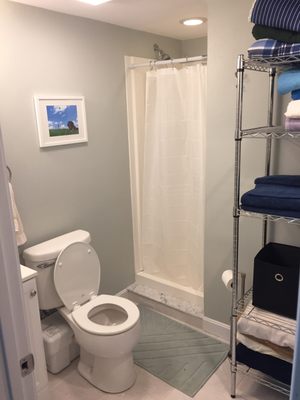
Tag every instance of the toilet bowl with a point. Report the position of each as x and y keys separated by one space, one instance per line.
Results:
x=106 y=327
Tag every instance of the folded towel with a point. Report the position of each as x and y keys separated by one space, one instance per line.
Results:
x=265 y=32
x=292 y=124
x=295 y=94
x=268 y=48
x=282 y=14
x=285 y=180
x=266 y=347
x=293 y=109
x=273 y=197
x=289 y=81
x=254 y=328
x=278 y=369
x=19 y=230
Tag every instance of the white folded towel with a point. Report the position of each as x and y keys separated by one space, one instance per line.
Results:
x=254 y=328
x=293 y=109
x=266 y=347
x=19 y=230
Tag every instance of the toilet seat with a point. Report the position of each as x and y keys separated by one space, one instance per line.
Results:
x=81 y=315
x=77 y=280
x=77 y=274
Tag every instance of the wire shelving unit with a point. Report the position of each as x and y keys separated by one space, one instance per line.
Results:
x=275 y=322
x=270 y=66
x=269 y=217
x=267 y=132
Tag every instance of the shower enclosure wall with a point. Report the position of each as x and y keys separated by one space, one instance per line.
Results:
x=167 y=204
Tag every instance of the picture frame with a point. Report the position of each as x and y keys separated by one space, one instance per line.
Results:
x=60 y=120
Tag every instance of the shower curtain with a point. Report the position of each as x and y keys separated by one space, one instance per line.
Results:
x=173 y=176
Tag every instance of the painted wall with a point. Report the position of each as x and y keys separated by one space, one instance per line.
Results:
x=79 y=186
x=225 y=20
x=194 y=47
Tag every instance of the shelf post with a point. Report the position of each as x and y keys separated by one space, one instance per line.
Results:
x=272 y=74
x=295 y=385
x=236 y=217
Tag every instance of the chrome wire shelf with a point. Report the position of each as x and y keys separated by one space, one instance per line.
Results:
x=263 y=63
x=269 y=217
x=274 y=321
x=256 y=66
x=267 y=132
x=263 y=379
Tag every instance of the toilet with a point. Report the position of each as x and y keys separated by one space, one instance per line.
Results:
x=106 y=327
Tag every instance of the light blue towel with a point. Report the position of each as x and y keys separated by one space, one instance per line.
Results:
x=289 y=81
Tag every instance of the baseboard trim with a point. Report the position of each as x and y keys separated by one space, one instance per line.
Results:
x=209 y=325
x=122 y=293
x=217 y=328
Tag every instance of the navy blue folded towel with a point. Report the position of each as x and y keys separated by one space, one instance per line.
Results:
x=282 y=14
x=278 y=369
x=275 y=194
x=285 y=180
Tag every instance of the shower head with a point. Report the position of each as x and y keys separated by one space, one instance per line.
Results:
x=160 y=54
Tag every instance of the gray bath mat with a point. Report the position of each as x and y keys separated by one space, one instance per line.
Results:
x=177 y=354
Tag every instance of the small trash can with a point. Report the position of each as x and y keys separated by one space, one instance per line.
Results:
x=276 y=279
x=59 y=343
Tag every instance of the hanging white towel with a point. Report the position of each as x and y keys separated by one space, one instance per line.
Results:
x=19 y=230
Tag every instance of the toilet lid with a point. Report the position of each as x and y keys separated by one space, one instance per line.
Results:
x=77 y=274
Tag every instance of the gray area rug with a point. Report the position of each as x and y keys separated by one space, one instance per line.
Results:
x=176 y=353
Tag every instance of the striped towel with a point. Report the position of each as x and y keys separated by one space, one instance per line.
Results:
x=268 y=48
x=253 y=327
x=282 y=14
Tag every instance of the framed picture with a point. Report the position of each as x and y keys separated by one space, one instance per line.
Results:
x=60 y=120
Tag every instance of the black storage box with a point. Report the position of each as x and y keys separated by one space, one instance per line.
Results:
x=276 y=279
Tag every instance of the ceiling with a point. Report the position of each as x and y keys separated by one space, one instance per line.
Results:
x=155 y=16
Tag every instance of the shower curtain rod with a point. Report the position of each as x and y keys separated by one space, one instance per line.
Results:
x=153 y=63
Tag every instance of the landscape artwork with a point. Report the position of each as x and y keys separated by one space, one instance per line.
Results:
x=62 y=120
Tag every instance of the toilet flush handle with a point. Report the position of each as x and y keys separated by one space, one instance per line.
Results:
x=46 y=264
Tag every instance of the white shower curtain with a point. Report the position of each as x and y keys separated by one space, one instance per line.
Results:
x=173 y=175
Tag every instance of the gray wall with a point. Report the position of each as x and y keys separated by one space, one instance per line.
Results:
x=225 y=20
x=79 y=186
x=194 y=47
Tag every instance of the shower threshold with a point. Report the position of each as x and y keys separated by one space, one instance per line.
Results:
x=182 y=298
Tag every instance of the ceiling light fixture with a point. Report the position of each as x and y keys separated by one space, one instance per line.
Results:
x=94 y=2
x=193 y=21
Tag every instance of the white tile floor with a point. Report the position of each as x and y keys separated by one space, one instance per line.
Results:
x=69 y=385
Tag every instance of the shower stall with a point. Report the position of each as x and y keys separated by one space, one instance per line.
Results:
x=166 y=109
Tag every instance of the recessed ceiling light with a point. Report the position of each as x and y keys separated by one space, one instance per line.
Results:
x=193 y=21
x=94 y=2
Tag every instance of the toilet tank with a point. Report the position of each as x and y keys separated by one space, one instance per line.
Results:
x=42 y=258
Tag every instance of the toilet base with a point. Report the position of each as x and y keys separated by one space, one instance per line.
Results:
x=112 y=375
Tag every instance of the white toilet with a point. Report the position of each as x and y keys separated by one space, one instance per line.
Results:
x=106 y=327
